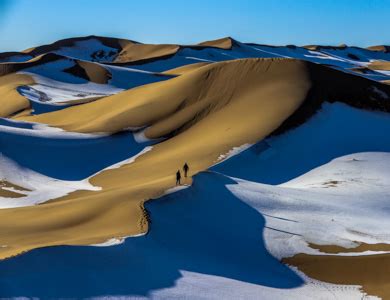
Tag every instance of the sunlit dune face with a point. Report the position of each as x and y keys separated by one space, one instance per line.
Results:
x=212 y=99
x=11 y=101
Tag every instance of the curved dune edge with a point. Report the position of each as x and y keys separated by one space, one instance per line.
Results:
x=132 y=52
x=222 y=43
x=369 y=271
x=185 y=69
x=86 y=217
x=179 y=100
x=95 y=72
x=11 y=101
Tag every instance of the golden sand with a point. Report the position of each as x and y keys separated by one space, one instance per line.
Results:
x=212 y=100
x=223 y=43
x=132 y=52
x=11 y=193
x=381 y=48
x=184 y=69
x=95 y=72
x=11 y=101
x=372 y=272
x=379 y=65
x=135 y=52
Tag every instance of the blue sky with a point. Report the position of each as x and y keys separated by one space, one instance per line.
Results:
x=27 y=23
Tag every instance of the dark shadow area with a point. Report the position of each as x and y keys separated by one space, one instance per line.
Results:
x=72 y=158
x=16 y=124
x=42 y=108
x=336 y=130
x=203 y=229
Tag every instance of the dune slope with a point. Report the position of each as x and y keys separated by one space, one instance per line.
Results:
x=210 y=99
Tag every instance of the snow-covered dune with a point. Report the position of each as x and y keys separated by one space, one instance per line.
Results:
x=201 y=238
x=335 y=130
x=288 y=182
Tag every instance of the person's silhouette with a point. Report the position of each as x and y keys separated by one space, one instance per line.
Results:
x=185 y=169
x=178 y=177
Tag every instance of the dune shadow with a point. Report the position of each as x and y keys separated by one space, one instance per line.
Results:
x=203 y=229
x=335 y=130
x=67 y=158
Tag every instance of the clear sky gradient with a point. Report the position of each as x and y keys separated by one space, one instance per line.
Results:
x=27 y=23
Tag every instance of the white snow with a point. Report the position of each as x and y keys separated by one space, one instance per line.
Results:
x=387 y=73
x=140 y=137
x=194 y=285
x=60 y=92
x=42 y=188
x=109 y=242
x=234 y=151
x=343 y=203
x=126 y=161
x=302 y=210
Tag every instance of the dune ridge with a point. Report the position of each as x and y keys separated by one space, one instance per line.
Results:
x=193 y=104
x=209 y=99
x=123 y=50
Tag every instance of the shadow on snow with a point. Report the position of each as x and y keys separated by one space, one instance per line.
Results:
x=203 y=229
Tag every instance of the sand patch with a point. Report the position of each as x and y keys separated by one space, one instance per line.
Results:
x=10 y=190
x=380 y=65
x=334 y=249
x=369 y=271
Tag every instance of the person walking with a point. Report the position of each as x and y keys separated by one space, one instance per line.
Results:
x=178 y=177
x=185 y=169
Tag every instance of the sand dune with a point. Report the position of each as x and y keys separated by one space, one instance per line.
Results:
x=138 y=52
x=199 y=92
x=211 y=99
x=11 y=101
x=208 y=104
x=184 y=69
x=201 y=104
x=381 y=48
x=223 y=43
x=113 y=50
